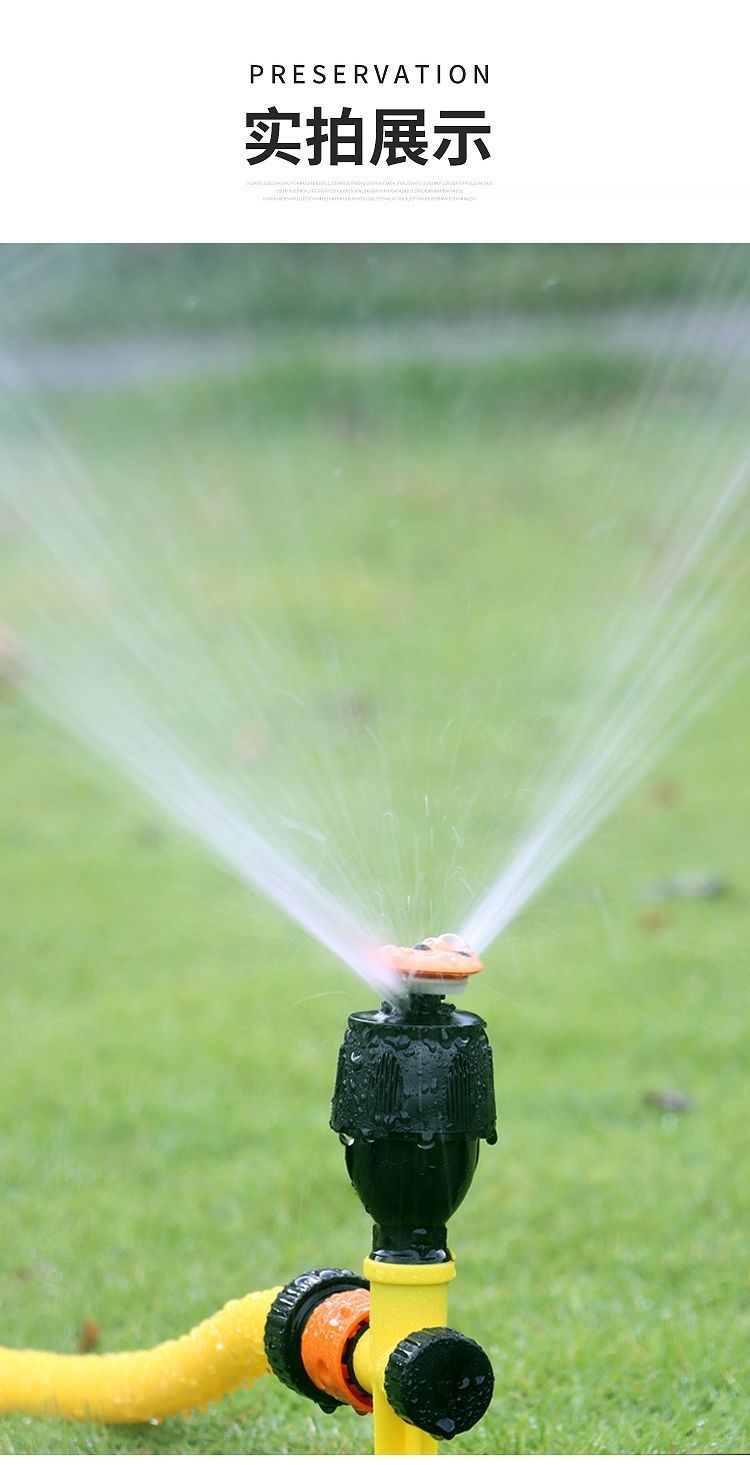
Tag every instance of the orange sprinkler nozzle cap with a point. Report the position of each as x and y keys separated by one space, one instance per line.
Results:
x=447 y=958
x=328 y=1340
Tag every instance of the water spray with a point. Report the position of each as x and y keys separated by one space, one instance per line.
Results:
x=413 y=1099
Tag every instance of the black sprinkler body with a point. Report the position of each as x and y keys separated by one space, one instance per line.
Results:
x=414 y=1096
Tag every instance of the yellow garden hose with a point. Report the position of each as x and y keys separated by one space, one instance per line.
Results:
x=218 y=1355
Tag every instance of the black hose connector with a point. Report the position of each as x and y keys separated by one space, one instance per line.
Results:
x=286 y=1321
x=414 y=1096
x=439 y=1381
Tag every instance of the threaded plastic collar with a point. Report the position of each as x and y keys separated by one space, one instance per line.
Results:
x=286 y=1321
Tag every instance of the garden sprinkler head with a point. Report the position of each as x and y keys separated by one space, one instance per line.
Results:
x=438 y=966
x=414 y=1096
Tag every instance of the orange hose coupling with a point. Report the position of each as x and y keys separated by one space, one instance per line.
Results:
x=328 y=1341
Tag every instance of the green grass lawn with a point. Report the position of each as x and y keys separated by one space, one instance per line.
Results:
x=194 y=287
x=170 y=1039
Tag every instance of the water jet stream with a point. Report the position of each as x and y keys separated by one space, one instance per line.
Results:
x=121 y=647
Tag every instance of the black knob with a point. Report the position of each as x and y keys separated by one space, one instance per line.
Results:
x=439 y=1381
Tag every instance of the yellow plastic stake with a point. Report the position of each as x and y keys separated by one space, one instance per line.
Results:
x=403 y=1298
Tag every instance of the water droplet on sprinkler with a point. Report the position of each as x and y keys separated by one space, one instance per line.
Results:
x=455 y=942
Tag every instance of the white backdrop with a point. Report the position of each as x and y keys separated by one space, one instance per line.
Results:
x=610 y=120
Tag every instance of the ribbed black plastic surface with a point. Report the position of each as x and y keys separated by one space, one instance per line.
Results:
x=439 y=1381
x=423 y=1073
